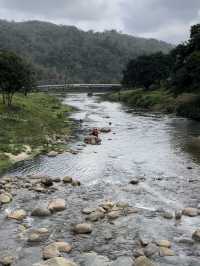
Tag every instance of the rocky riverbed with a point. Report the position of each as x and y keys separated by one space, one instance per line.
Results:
x=133 y=200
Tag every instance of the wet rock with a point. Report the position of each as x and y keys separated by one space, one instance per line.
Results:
x=134 y=181
x=93 y=259
x=57 y=205
x=88 y=210
x=39 y=188
x=5 y=198
x=164 y=252
x=17 y=215
x=108 y=205
x=50 y=251
x=47 y=181
x=105 y=129
x=41 y=212
x=178 y=215
x=167 y=215
x=6 y=260
x=138 y=252
x=63 y=246
x=144 y=241
x=196 y=235
x=67 y=179
x=76 y=183
x=191 y=212
x=114 y=215
x=84 y=228
x=164 y=243
x=122 y=261
x=57 y=261
x=54 y=249
x=52 y=154
x=95 y=216
x=151 y=250
x=38 y=235
x=143 y=261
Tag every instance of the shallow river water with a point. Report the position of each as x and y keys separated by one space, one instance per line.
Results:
x=161 y=150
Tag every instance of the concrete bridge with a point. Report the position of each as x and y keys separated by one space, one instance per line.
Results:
x=80 y=87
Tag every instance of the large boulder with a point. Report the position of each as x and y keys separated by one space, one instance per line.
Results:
x=17 y=215
x=57 y=205
x=191 y=212
x=84 y=228
x=41 y=212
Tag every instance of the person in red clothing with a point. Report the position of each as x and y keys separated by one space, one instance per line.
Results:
x=95 y=132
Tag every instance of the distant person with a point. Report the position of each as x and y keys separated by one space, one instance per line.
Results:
x=95 y=132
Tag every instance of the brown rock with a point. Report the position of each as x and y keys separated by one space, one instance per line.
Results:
x=84 y=228
x=17 y=215
x=57 y=205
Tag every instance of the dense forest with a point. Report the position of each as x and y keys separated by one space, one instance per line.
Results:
x=178 y=71
x=69 y=54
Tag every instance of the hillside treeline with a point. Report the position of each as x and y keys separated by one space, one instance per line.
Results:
x=72 y=55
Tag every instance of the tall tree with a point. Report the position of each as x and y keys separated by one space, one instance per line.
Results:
x=16 y=75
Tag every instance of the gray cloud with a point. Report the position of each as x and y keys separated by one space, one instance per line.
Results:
x=162 y=19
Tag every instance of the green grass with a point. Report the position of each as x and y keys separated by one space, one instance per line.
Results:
x=29 y=121
x=186 y=104
x=138 y=98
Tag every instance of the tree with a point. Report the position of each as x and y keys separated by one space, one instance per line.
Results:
x=147 y=70
x=16 y=75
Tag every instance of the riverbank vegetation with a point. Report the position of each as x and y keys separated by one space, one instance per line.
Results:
x=168 y=83
x=28 y=126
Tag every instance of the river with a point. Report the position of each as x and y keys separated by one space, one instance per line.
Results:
x=160 y=150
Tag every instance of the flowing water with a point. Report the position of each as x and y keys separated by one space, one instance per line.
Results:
x=162 y=151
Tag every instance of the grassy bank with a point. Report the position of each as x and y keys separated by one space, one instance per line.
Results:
x=187 y=105
x=28 y=125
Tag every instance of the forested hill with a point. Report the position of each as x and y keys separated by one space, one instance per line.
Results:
x=65 y=51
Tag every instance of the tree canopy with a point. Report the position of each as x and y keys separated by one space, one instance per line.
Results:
x=180 y=69
x=16 y=75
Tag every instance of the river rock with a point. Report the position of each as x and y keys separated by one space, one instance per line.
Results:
x=50 y=251
x=6 y=260
x=150 y=250
x=84 y=228
x=105 y=129
x=114 y=215
x=196 y=235
x=167 y=215
x=191 y=212
x=178 y=215
x=17 y=215
x=67 y=179
x=88 y=210
x=143 y=261
x=47 y=181
x=164 y=243
x=164 y=252
x=95 y=216
x=63 y=246
x=57 y=261
x=76 y=183
x=38 y=235
x=41 y=212
x=57 y=205
x=93 y=259
x=5 y=198
x=52 y=154
x=108 y=205
x=134 y=181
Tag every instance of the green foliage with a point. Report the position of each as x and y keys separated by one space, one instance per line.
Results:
x=15 y=76
x=66 y=53
x=147 y=70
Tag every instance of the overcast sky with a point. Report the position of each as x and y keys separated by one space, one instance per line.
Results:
x=167 y=20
